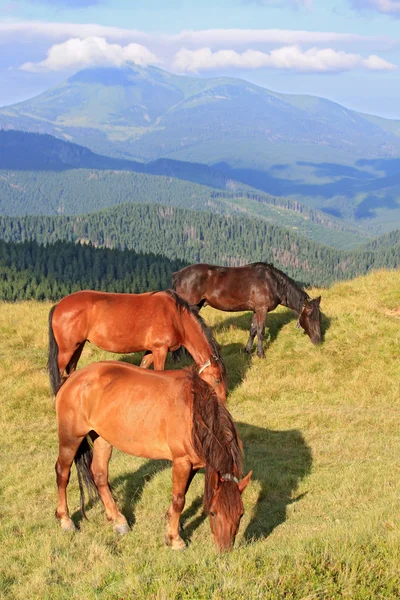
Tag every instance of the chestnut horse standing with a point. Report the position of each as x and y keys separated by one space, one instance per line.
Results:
x=170 y=415
x=258 y=287
x=154 y=321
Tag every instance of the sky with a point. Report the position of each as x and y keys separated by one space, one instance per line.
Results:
x=346 y=50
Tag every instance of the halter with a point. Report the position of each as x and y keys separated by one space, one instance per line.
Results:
x=229 y=477
x=206 y=364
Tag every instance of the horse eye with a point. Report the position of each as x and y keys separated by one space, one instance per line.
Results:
x=212 y=514
x=217 y=381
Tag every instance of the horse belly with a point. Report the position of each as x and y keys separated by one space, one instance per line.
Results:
x=138 y=425
x=228 y=301
x=120 y=336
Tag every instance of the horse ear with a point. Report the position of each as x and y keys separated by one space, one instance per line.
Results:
x=243 y=483
x=317 y=301
x=215 y=483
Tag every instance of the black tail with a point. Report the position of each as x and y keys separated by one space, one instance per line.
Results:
x=52 y=359
x=83 y=460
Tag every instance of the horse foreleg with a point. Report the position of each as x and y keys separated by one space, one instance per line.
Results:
x=102 y=451
x=260 y=317
x=182 y=475
x=65 y=459
x=253 y=332
x=147 y=361
x=160 y=356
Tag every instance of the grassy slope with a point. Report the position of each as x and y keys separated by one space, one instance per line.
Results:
x=320 y=430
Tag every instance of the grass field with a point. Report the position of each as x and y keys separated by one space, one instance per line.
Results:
x=320 y=427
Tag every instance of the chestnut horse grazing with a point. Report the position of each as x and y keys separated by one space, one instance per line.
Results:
x=258 y=287
x=172 y=415
x=155 y=321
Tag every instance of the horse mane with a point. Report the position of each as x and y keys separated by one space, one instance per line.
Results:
x=216 y=441
x=288 y=291
x=175 y=277
x=194 y=311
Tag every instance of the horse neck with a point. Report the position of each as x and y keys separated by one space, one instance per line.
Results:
x=295 y=297
x=195 y=340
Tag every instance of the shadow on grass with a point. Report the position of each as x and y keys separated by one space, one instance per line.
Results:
x=133 y=488
x=279 y=460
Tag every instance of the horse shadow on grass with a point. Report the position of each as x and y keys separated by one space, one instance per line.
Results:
x=280 y=460
x=275 y=321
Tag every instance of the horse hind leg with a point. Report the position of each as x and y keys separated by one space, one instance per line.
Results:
x=65 y=459
x=253 y=332
x=260 y=317
x=71 y=367
x=67 y=362
x=102 y=451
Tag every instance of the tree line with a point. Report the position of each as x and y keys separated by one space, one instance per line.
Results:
x=29 y=270
x=180 y=235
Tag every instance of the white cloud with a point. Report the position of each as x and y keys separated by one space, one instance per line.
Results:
x=293 y=3
x=386 y=7
x=76 y=53
x=27 y=31
x=292 y=58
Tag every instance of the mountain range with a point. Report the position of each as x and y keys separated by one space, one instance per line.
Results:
x=301 y=147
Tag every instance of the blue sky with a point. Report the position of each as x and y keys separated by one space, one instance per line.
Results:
x=347 y=51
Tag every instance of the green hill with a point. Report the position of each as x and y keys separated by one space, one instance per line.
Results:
x=78 y=191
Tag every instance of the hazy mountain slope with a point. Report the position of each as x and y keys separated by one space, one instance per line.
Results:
x=309 y=149
x=152 y=113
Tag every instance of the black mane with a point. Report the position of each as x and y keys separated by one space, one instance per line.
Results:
x=286 y=289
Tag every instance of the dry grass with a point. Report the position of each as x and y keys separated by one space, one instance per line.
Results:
x=320 y=427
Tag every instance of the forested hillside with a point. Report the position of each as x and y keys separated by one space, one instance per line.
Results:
x=203 y=237
x=32 y=271
x=77 y=191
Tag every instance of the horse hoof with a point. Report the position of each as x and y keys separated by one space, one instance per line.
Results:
x=67 y=525
x=178 y=545
x=121 y=528
x=175 y=544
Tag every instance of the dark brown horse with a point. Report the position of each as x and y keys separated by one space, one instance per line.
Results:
x=170 y=415
x=258 y=287
x=155 y=321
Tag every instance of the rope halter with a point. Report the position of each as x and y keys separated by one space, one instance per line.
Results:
x=206 y=364
x=229 y=477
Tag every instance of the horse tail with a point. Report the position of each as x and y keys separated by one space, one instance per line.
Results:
x=83 y=460
x=52 y=357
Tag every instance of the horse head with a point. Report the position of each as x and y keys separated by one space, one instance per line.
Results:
x=213 y=372
x=226 y=508
x=310 y=319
